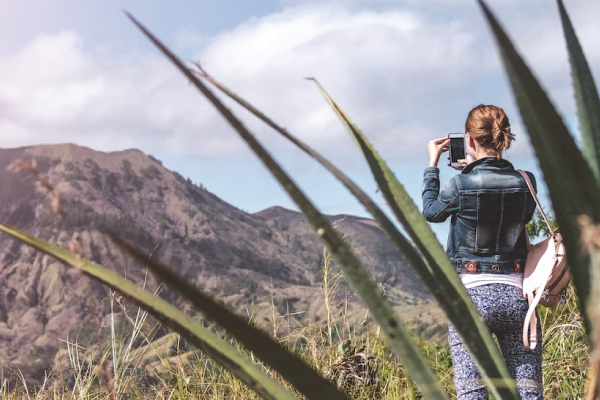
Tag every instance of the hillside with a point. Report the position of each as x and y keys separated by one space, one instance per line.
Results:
x=245 y=259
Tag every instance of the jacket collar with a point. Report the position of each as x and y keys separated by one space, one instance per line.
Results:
x=488 y=163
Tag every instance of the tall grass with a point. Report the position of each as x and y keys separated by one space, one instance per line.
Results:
x=132 y=363
x=168 y=368
x=285 y=369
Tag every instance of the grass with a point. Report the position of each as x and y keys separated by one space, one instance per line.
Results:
x=132 y=364
x=361 y=363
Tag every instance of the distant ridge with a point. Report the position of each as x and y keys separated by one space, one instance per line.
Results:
x=242 y=258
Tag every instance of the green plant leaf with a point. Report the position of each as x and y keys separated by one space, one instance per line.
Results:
x=586 y=95
x=442 y=290
x=461 y=311
x=405 y=247
x=230 y=358
x=365 y=286
x=573 y=188
x=290 y=366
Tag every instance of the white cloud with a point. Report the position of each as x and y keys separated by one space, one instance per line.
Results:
x=405 y=75
x=54 y=90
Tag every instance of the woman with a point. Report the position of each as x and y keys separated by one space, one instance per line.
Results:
x=489 y=204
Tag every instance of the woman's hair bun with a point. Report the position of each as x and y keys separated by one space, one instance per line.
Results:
x=489 y=125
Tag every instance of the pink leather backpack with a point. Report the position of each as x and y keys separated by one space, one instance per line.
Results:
x=546 y=274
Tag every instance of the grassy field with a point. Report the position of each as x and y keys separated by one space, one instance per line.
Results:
x=350 y=351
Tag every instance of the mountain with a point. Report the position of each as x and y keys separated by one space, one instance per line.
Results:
x=74 y=196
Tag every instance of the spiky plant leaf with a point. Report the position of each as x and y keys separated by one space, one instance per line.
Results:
x=406 y=248
x=461 y=310
x=443 y=292
x=586 y=95
x=574 y=191
x=404 y=347
x=216 y=348
x=290 y=366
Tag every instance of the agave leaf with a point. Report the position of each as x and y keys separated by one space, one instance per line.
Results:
x=365 y=286
x=230 y=358
x=289 y=365
x=586 y=95
x=574 y=191
x=398 y=239
x=461 y=311
x=443 y=292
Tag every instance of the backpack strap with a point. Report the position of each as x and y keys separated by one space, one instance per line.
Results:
x=530 y=324
x=534 y=195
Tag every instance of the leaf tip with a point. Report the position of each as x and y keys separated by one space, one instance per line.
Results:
x=564 y=17
x=486 y=10
x=199 y=69
x=130 y=16
x=137 y=23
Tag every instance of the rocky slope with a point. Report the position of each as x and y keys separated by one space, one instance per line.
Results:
x=242 y=258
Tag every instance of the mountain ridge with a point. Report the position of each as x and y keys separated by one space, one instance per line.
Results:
x=239 y=257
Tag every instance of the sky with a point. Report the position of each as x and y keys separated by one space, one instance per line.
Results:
x=405 y=71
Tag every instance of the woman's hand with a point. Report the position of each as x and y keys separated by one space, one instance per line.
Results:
x=436 y=148
x=463 y=163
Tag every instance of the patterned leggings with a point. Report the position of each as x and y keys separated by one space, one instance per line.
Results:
x=503 y=308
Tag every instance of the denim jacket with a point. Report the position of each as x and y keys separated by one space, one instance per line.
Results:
x=489 y=204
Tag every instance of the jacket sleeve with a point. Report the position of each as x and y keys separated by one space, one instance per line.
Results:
x=437 y=207
x=531 y=210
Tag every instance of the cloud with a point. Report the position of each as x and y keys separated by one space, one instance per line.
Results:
x=405 y=74
x=54 y=90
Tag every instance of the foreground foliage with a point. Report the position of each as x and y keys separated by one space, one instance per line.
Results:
x=189 y=374
x=287 y=374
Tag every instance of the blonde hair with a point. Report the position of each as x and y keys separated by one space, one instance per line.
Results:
x=489 y=125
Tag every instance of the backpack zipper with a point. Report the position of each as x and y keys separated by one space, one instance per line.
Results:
x=557 y=279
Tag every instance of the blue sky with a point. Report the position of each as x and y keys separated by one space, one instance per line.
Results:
x=405 y=71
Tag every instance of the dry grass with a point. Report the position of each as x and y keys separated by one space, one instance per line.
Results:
x=130 y=364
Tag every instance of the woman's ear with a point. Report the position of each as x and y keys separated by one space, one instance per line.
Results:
x=471 y=142
x=471 y=146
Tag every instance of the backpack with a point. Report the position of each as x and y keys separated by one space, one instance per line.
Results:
x=546 y=274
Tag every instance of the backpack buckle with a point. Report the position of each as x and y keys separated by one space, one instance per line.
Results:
x=563 y=296
x=546 y=296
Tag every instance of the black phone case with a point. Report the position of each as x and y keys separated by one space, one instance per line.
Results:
x=453 y=149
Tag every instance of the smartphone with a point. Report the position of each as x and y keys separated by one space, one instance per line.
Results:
x=457 y=148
